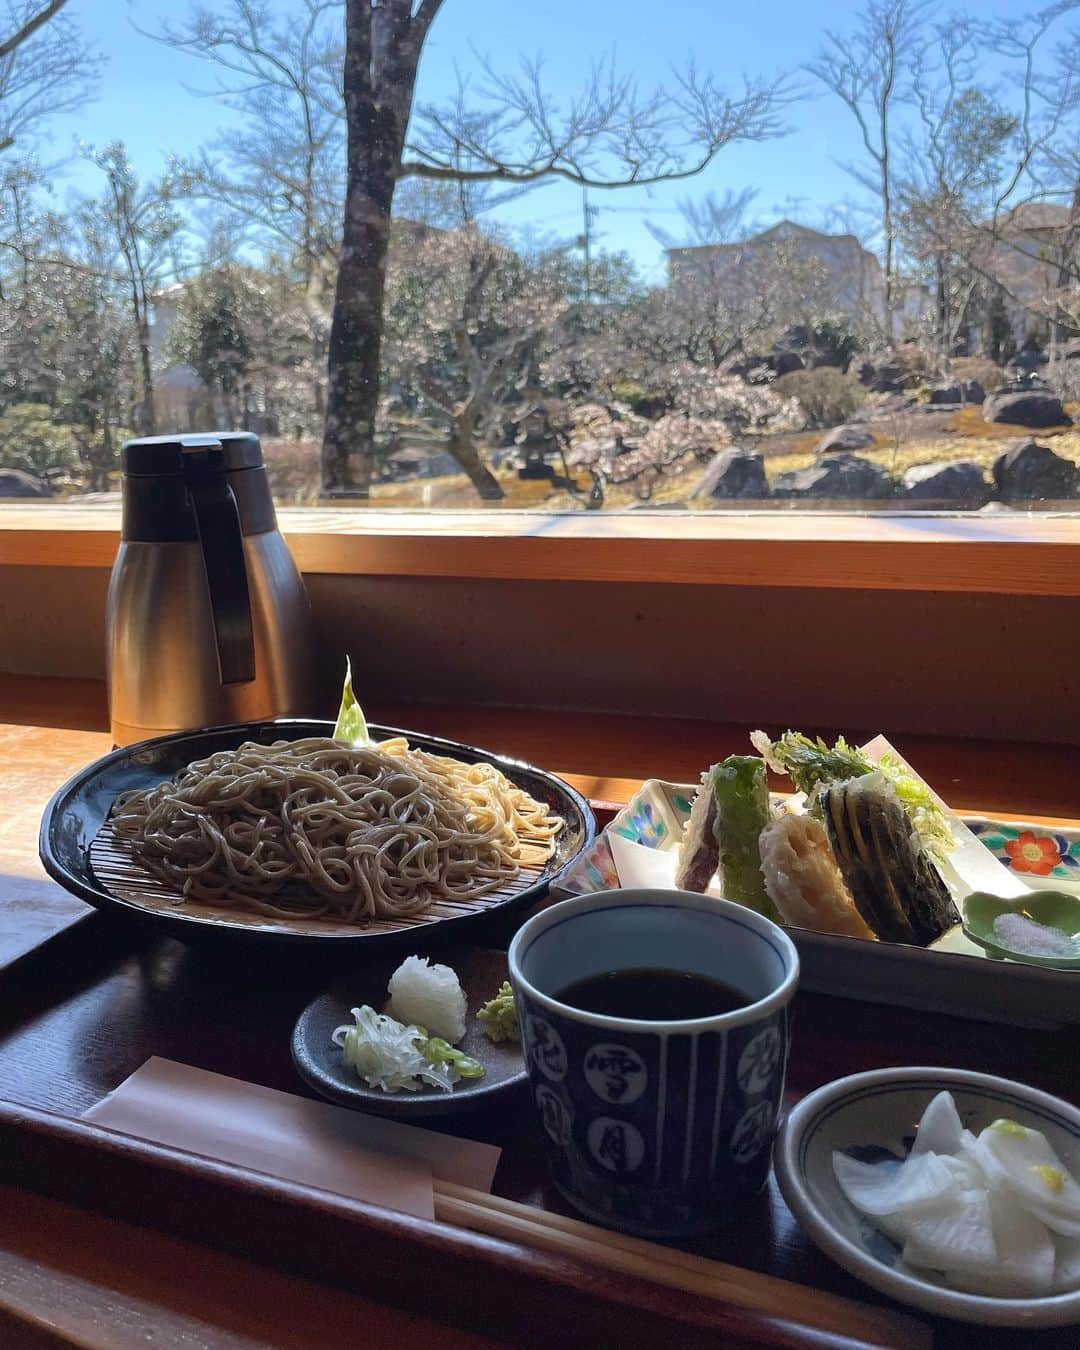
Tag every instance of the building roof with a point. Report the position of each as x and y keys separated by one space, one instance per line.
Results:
x=1033 y=216
x=782 y=227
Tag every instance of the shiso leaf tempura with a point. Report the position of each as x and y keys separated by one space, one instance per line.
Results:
x=812 y=765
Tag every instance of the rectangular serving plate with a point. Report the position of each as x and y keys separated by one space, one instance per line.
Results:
x=954 y=977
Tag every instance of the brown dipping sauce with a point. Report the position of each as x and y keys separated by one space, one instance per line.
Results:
x=653 y=995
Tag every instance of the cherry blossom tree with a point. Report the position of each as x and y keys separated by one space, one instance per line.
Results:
x=465 y=318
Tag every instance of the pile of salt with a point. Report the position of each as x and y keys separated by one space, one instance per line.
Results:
x=1021 y=934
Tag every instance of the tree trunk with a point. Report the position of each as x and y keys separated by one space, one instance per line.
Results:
x=148 y=416
x=356 y=341
x=463 y=448
x=942 y=307
x=378 y=103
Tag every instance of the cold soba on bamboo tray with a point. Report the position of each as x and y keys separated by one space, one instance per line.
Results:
x=716 y=1290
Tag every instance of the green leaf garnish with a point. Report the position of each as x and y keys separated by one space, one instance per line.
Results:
x=351 y=725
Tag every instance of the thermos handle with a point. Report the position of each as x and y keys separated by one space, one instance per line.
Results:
x=218 y=521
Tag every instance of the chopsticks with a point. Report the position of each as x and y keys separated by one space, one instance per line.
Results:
x=863 y=1323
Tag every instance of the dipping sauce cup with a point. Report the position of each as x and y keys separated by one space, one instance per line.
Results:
x=658 y=1128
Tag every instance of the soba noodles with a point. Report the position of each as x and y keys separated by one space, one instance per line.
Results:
x=322 y=827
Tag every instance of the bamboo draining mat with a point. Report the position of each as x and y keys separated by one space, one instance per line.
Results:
x=121 y=874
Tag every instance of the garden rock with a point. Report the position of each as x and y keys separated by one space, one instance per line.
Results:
x=733 y=473
x=748 y=362
x=959 y=482
x=783 y=363
x=1031 y=405
x=844 y=438
x=967 y=391
x=19 y=483
x=887 y=378
x=1028 y=472
x=1026 y=361
x=836 y=475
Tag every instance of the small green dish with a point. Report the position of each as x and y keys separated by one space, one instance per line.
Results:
x=1053 y=909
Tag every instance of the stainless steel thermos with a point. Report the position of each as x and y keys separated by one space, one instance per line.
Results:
x=208 y=621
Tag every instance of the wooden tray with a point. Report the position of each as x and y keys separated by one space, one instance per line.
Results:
x=84 y=1011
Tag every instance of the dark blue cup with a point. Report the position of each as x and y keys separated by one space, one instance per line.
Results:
x=657 y=1128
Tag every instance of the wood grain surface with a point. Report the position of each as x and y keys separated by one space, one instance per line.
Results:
x=126 y=1287
x=606 y=756
x=84 y=1010
x=1009 y=553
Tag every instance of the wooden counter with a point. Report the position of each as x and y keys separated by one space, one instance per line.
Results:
x=71 y=1277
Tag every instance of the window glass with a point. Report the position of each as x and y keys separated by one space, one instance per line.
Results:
x=830 y=263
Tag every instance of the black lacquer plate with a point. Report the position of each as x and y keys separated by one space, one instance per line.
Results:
x=75 y=850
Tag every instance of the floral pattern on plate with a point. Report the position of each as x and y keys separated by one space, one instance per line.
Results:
x=643 y=822
x=657 y=814
x=1033 y=851
x=595 y=870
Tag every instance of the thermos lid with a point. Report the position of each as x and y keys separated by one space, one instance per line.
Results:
x=161 y=474
x=164 y=456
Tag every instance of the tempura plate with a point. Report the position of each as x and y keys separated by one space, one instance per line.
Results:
x=954 y=976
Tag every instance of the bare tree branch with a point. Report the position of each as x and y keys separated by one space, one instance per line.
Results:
x=30 y=27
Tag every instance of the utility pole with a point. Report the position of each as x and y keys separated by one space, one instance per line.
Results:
x=584 y=240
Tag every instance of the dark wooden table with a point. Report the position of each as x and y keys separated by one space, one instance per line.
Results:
x=82 y=1011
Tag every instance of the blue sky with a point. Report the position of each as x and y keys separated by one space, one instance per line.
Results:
x=147 y=102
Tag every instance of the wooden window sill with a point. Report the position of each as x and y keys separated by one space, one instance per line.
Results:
x=1005 y=553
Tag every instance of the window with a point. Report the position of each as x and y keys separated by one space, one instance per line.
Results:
x=849 y=280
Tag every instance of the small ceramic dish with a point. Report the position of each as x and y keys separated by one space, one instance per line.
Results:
x=1052 y=909
x=321 y=1064
x=881 y=1110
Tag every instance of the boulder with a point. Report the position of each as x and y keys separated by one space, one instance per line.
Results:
x=964 y=391
x=1029 y=405
x=836 y=475
x=733 y=473
x=1029 y=472
x=747 y=362
x=651 y=406
x=1026 y=361
x=885 y=378
x=844 y=438
x=783 y=363
x=959 y=482
x=19 y=483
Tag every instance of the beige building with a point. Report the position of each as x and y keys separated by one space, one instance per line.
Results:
x=846 y=277
x=1033 y=252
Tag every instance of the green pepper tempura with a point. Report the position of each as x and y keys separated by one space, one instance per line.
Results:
x=499 y=1015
